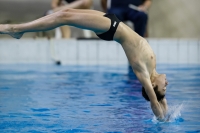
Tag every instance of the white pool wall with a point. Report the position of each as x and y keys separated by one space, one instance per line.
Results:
x=93 y=52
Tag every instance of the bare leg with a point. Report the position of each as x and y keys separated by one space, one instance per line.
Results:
x=89 y=11
x=71 y=17
x=78 y=4
x=66 y=31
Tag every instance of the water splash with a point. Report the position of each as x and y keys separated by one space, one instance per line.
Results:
x=174 y=112
x=173 y=115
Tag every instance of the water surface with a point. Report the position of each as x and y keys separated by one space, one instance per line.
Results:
x=48 y=98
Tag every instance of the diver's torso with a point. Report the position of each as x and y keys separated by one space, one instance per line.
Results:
x=137 y=49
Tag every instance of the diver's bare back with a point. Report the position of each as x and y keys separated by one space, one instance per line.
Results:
x=137 y=49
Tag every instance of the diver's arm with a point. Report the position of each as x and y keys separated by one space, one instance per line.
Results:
x=155 y=105
x=163 y=104
x=144 y=78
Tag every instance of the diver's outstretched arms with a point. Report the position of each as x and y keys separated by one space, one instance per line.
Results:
x=89 y=19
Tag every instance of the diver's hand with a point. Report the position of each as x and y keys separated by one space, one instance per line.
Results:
x=168 y=118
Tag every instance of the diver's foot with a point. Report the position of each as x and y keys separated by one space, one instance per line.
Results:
x=16 y=35
x=8 y=29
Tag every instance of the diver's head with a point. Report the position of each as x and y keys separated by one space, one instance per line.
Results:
x=159 y=85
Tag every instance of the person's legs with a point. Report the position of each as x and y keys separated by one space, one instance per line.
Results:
x=139 y=19
x=89 y=11
x=72 y=17
x=78 y=4
x=81 y=4
x=66 y=32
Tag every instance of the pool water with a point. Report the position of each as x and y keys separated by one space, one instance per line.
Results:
x=70 y=99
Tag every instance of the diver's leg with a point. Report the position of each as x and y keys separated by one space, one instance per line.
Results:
x=89 y=11
x=71 y=17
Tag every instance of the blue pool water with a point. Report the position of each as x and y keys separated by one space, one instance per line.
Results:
x=48 y=98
